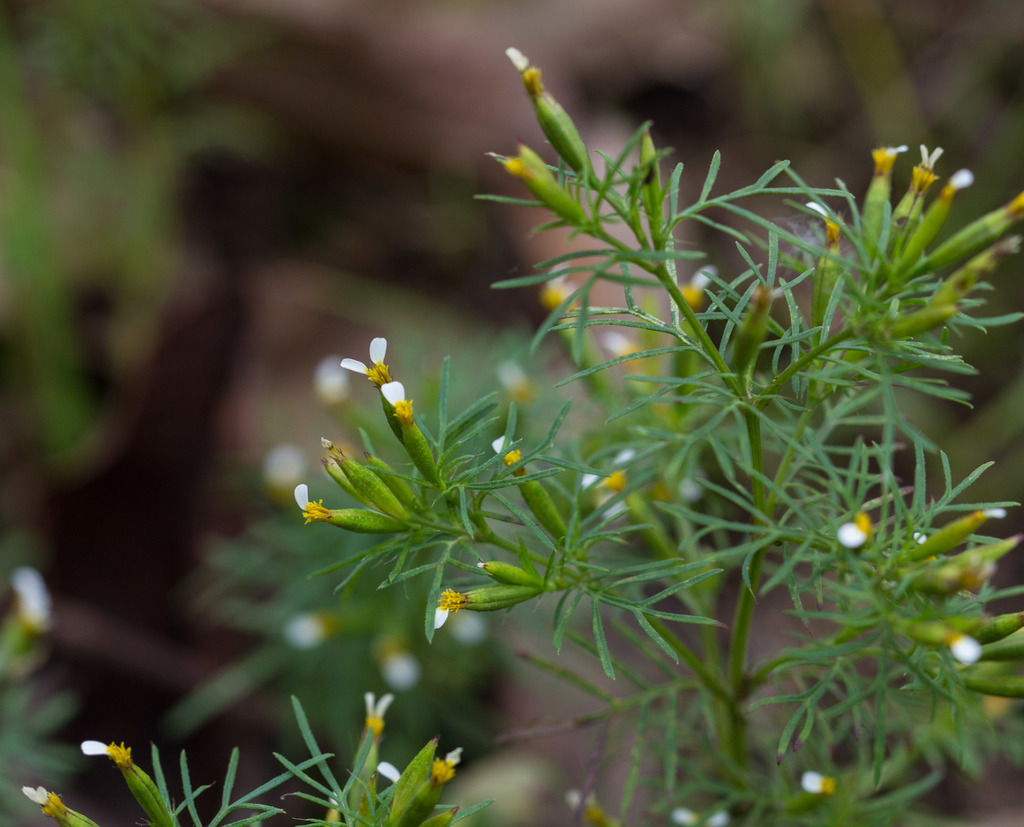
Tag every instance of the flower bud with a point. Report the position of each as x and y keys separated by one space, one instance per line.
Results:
x=933 y=221
x=999 y=627
x=372 y=487
x=399 y=487
x=961 y=282
x=529 y=167
x=1009 y=686
x=752 y=331
x=927 y=318
x=139 y=783
x=510 y=574
x=413 y=440
x=879 y=190
x=946 y=538
x=975 y=236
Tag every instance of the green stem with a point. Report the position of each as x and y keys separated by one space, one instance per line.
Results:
x=710 y=680
x=769 y=391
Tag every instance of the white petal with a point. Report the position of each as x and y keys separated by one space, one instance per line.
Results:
x=401 y=671
x=389 y=771
x=683 y=816
x=965 y=649
x=850 y=535
x=283 y=466
x=394 y=392
x=588 y=480
x=39 y=795
x=616 y=343
x=961 y=179
x=498 y=445
x=690 y=490
x=355 y=366
x=812 y=782
x=33 y=596
x=719 y=819
x=920 y=536
x=94 y=748
x=440 y=616
x=573 y=798
x=454 y=757
x=995 y=513
x=383 y=704
x=814 y=205
x=378 y=349
x=302 y=495
x=624 y=456
x=510 y=375
x=702 y=278
x=519 y=60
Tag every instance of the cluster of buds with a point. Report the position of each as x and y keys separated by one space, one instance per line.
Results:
x=929 y=566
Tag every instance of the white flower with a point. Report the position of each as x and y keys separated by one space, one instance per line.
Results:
x=389 y=771
x=995 y=513
x=400 y=670
x=684 y=816
x=851 y=535
x=556 y=291
x=306 y=630
x=515 y=381
x=283 y=466
x=817 y=784
x=302 y=495
x=32 y=599
x=690 y=490
x=618 y=344
x=961 y=179
x=719 y=819
x=928 y=161
x=965 y=648
x=376 y=708
x=378 y=371
x=330 y=381
x=39 y=795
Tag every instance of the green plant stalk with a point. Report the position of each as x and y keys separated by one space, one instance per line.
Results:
x=745 y=607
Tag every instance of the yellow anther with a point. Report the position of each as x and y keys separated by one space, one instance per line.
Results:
x=616 y=481
x=828 y=785
x=884 y=158
x=450 y=600
x=441 y=772
x=120 y=755
x=54 y=807
x=403 y=411
x=379 y=374
x=315 y=511
x=863 y=522
x=376 y=723
x=512 y=457
x=831 y=233
x=1017 y=205
x=514 y=166
x=921 y=178
x=531 y=80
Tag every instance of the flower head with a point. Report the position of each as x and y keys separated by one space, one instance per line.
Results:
x=50 y=802
x=31 y=600
x=310 y=510
x=855 y=534
x=443 y=771
x=118 y=753
x=817 y=784
x=378 y=372
x=555 y=292
x=510 y=458
x=283 y=466
x=400 y=670
x=375 y=710
x=394 y=392
x=307 y=630
x=964 y=648
x=515 y=381
x=449 y=601
x=619 y=344
x=694 y=291
x=884 y=157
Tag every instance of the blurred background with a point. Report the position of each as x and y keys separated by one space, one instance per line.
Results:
x=200 y=200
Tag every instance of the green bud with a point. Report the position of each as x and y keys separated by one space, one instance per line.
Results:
x=999 y=627
x=651 y=184
x=414 y=775
x=555 y=122
x=529 y=167
x=441 y=819
x=752 y=332
x=371 y=486
x=968 y=570
x=362 y=521
x=543 y=507
x=493 y=598
x=826 y=276
x=927 y=318
x=510 y=574
x=932 y=222
x=335 y=473
x=879 y=191
x=1011 y=686
x=975 y=236
x=946 y=538
x=398 y=486
x=1009 y=648
x=963 y=280
x=142 y=787
x=417 y=807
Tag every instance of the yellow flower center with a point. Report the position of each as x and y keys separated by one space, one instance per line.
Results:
x=451 y=600
x=921 y=178
x=694 y=296
x=616 y=481
x=884 y=158
x=403 y=412
x=863 y=522
x=831 y=234
x=376 y=723
x=1017 y=205
x=54 y=807
x=120 y=755
x=828 y=785
x=512 y=457
x=531 y=80
x=441 y=772
x=379 y=374
x=553 y=294
x=593 y=814
x=514 y=166
x=316 y=511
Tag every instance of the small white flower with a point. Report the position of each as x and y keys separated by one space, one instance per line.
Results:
x=519 y=60
x=851 y=535
x=94 y=748
x=514 y=380
x=684 y=816
x=817 y=784
x=690 y=490
x=302 y=495
x=377 y=372
x=283 y=466
x=995 y=513
x=719 y=819
x=305 y=630
x=618 y=344
x=556 y=291
x=377 y=708
x=32 y=599
x=330 y=381
x=920 y=537
x=965 y=649
x=39 y=795
x=702 y=278
x=389 y=771
x=961 y=179
x=394 y=392
x=400 y=670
